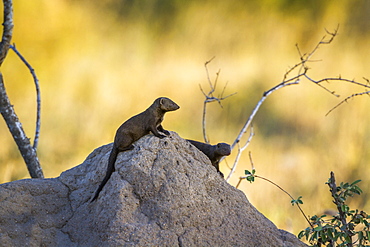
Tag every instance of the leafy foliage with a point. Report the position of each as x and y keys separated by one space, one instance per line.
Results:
x=250 y=175
x=346 y=228
x=296 y=201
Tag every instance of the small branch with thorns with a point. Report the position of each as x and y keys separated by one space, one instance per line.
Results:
x=289 y=79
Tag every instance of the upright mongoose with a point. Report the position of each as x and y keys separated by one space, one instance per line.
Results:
x=136 y=127
x=213 y=152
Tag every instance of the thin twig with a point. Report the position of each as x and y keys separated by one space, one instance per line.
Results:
x=251 y=160
x=299 y=207
x=323 y=41
x=337 y=79
x=6 y=108
x=288 y=81
x=268 y=180
x=256 y=108
x=346 y=99
x=209 y=97
x=15 y=127
x=38 y=113
x=240 y=151
x=204 y=122
x=208 y=78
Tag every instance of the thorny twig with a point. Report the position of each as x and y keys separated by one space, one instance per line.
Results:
x=288 y=81
x=302 y=69
x=209 y=97
x=346 y=99
x=38 y=114
x=305 y=58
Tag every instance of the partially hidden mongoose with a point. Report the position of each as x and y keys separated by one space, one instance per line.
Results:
x=213 y=152
x=136 y=127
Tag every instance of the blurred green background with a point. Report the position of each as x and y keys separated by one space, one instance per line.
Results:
x=100 y=62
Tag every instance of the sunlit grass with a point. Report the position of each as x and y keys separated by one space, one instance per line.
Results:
x=96 y=70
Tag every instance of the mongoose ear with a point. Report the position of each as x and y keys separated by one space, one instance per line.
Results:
x=161 y=101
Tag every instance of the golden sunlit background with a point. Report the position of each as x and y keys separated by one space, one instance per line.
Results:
x=100 y=62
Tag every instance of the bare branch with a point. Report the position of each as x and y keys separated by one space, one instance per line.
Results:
x=301 y=72
x=256 y=108
x=209 y=97
x=367 y=80
x=16 y=129
x=8 y=30
x=38 y=113
x=216 y=79
x=323 y=41
x=240 y=151
x=337 y=79
x=204 y=122
x=209 y=79
x=301 y=68
x=6 y=109
x=346 y=99
x=201 y=89
x=294 y=80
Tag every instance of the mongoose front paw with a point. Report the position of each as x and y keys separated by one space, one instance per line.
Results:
x=161 y=136
x=166 y=132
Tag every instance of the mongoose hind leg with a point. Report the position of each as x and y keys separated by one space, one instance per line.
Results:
x=121 y=149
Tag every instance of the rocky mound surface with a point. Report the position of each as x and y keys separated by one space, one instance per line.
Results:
x=164 y=192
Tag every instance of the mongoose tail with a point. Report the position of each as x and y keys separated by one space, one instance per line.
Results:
x=110 y=170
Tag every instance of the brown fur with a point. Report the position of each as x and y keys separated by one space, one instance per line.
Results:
x=213 y=152
x=136 y=127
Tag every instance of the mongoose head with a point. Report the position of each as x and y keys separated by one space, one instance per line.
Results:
x=223 y=149
x=166 y=104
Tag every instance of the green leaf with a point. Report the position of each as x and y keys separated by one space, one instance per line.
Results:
x=356 y=190
x=301 y=234
x=344 y=208
x=314 y=218
x=296 y=201
x=318 y=228
x=323 y=236
x=330 y=234
x=250 y=178
x=360 y=235
x=347 y=238
x=355 y=182
x=314 y=236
